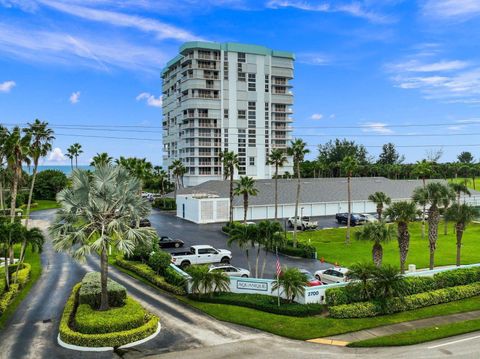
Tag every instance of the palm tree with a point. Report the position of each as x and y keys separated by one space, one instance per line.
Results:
x=433 y=194
x=402 y=213
x=245 y=236
x=378 y=233
x=245 y=187
x=33 y=238
x=459 y=188
x=17 y=149
x=298 y=151
x=293 y=283
x=270 y=236
x=388 y=282
x=70 y=154
x=96 y=214
x=208 y=281
x=77 y=152
x=363 y=273
x=447 y=201
x=101 y=159
x=9 y=234
x=462 y=215
x=349 y=165
x=178 y=170
x=424 y=170
x=380 y=199
x=278 y=159
x=220 y=281
x=3 y=138
x=230 y=163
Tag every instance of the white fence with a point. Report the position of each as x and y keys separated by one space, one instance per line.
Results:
x=314 y=294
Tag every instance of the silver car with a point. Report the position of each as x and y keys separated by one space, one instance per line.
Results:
x=230 y=270
x=332 y=275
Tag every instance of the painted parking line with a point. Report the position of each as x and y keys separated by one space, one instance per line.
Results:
x=326 y=341
x=454 y=342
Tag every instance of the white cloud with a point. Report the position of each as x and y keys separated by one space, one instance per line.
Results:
x=316 y=116
x=452 y=9
x=160 y=29
x=56 y=155
x=6 y=86
x=151 y=99
x=377 y=127
x=63 y=48
x=355 y=9
x=313 y=59
x=74 y=97
x=442 y=65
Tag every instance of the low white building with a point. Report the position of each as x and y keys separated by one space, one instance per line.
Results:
x=209 y=202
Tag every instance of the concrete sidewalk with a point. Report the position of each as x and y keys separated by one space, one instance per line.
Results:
x=346 y=338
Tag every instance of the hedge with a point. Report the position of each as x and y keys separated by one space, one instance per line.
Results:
x=302 y=250
x=165 y=203
x=149 y=274
x=410 y=302
x=23 y=276
x=90 y=291
x=261 y=302
x=130 y=316
x=114 y=339
x=414 y=285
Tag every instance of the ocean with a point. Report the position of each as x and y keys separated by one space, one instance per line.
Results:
x=67 y=169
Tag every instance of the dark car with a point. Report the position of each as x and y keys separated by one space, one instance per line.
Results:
x=144 y=222
x=355 y=219
x=167 y=242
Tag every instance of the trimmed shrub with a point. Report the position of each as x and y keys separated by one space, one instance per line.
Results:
x=415 y=301
x=142 y=252
x=302 y=250
x=7 y=297
x=148 y=273
x=114 y=339
x=90 y=291
x=159 y=261
x=264 y=303
x=23 y=276
x=167 y=204
x=174 y=278
x=90 y=321
x=457 y=277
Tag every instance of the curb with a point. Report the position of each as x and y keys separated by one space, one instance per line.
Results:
x=106 y=349
x=327 y=341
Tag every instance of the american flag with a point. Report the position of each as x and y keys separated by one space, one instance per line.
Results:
x=279 y=268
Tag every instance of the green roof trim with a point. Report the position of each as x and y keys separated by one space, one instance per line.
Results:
x=228 y=46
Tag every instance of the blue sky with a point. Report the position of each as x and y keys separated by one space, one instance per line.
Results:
x=372 y=71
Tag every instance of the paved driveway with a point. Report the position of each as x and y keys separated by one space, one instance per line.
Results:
x=168 y=224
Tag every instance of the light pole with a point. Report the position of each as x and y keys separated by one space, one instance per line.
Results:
x=301 y=213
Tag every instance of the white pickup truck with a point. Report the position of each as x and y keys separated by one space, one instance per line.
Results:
x=303 y=223
x=201 y=254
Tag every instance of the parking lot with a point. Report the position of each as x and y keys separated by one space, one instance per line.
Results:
x=167 y=224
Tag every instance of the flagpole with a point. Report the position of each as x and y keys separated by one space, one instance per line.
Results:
x=278 y=277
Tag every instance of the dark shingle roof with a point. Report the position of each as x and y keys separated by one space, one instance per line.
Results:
x=313 y=190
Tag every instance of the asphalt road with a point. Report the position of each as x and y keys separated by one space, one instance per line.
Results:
x=167 y=224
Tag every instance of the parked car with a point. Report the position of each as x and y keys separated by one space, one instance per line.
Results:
x=355 y=219
x=144 y=222
x=303 y=223
x=167 y=242
x=312 y=280
x=230 y=270
x=369 y=218
x=332 y=275
x=201 y=254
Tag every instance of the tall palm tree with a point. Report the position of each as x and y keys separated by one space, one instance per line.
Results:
x=292 y=281
x=3 y=138
x=378 y=233
x=270 y=235
x=230 y=163
x=402 y=213
x=96 y=214
x=71 y=155
x=277 y=159
x=447 y=201
x=298 y=151
x=433 y=194
x=349 y=165
x=459 y=188
x=17 y=149
x=380 y=199
x=77 y=152
x=178 y=170
x=246 y=188
x=41 y=137
x=101 y=159
x=462 y=215
x=423 y=169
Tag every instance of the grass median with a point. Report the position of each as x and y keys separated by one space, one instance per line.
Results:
x=422 y=335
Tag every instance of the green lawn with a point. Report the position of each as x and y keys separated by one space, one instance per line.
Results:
x=42 y=204
x=36 y=271
x=420 y=335
x=330 y=244
x=469 y=182
x=304 y=328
